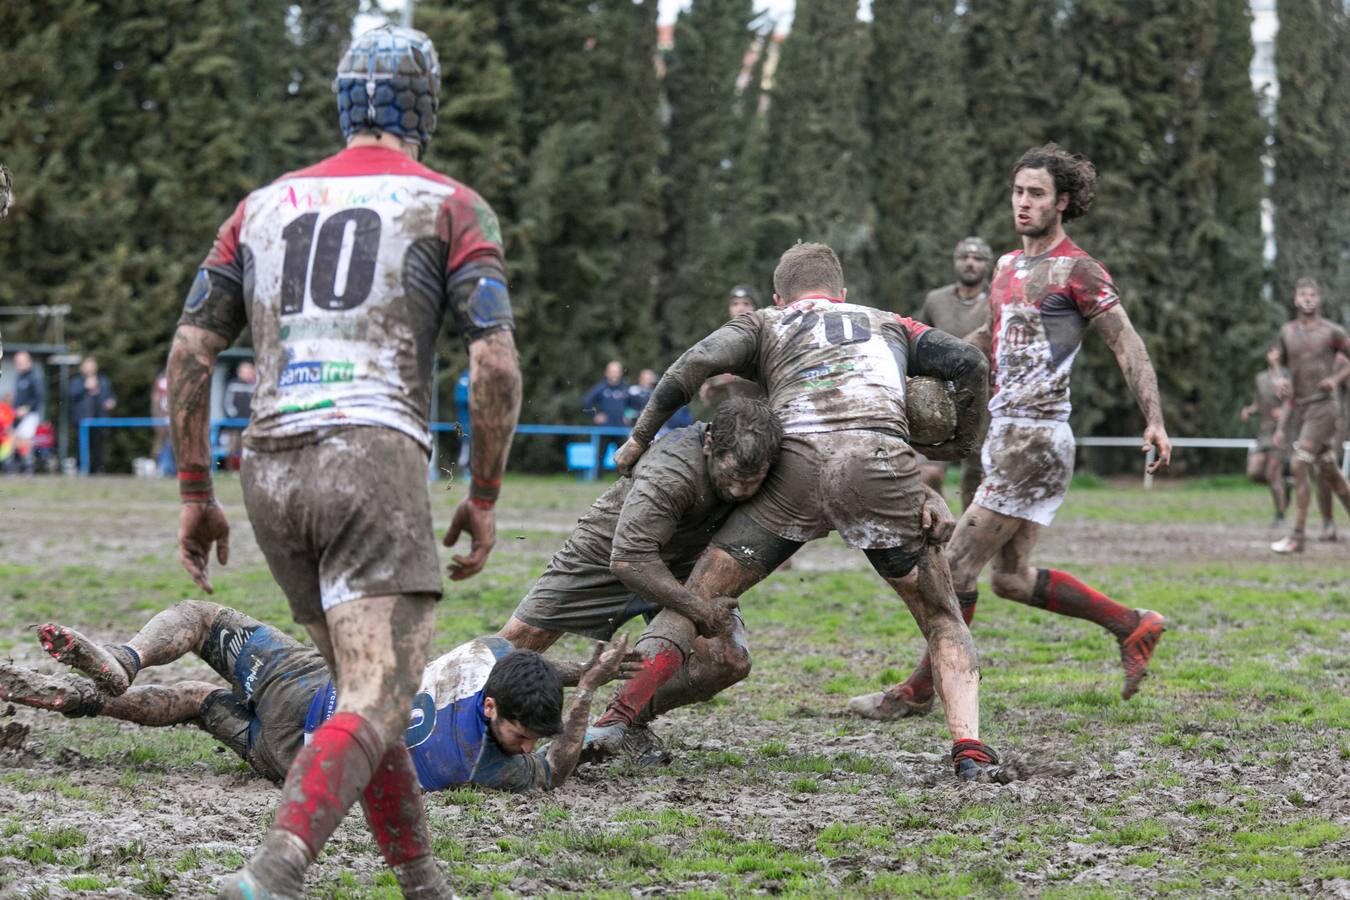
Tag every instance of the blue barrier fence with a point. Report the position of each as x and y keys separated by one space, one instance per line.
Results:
x=594 y=435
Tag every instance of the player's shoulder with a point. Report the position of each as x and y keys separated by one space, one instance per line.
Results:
x=680 y=449
x=940 y=294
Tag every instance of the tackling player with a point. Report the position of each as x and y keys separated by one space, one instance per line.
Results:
x=1308 y=346
x=344 y=272
x=835 y=374
x=475 y=719
x=961 y=309
x=631 y=552
x=1043 y=299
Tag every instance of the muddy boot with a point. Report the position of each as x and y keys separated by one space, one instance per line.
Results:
x=603 y=742
x=420 y=879
x=644 y=747
x=1292 y=544
x=1137 y=649
x=887 y=706
x=1328 y=535
x=276 y=871
x=109 y=666
x=72 y=697
x=974 y=761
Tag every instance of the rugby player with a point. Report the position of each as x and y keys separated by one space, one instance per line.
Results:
x=345 y=272
x=476 y=717
x=1265 y=464
x=835 y=374
x=960 y=309
x=1308 y=345
x=1043 y=299
x=631 y=552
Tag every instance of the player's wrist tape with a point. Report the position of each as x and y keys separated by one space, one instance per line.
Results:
x=483 y=492
x=482 y=503
x=195 y=487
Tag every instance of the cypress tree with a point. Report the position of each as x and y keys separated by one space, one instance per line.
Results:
x=921 y=143
x=704 y=253
x=815 y=167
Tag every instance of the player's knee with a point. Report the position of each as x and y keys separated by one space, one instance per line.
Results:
x=735 y=665
x=1256 y=468
x=524 y=636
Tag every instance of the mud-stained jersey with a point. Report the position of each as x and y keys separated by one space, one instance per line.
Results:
x=345 y=271
x=829 y=365
x=448 y=736
x=1310 y=353
x=1039 y=308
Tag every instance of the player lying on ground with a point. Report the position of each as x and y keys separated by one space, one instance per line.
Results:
x=1308 y=346
x=631 y=552
x=1042 y=301
x=835 y=374
x=476 y=717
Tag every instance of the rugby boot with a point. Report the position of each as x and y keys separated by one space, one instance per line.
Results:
x=603 y=742
x=974 y=761
x=645 y=747
x=276 y=871
x=1328 y=535
x=110 y=667
x=887 y=706
x=1292 y=544
x=1137 y=649
x=72 y=697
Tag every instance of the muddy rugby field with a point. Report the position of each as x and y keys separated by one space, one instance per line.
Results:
x=1228 y=774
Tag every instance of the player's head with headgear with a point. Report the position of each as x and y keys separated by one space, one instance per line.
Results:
x=808 y=270
x=741 y=444
x=741 y=299
x=1050 y=185
x=389 y=82
x=523 y=701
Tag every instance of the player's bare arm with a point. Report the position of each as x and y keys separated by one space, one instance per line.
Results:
x=565 y=750
x=940 y=355
x=652 y=580
x=201 y=522
x=1117 y=330
x=730 y=348
x=494 y=408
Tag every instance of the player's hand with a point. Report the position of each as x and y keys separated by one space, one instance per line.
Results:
x=199 y=526
x=716 y=616
x=1283 y=389
x=936 y=517
x=1327 y=384
x=605 y=664
x=1155 y=437
x=481 y=525
x=627 y=456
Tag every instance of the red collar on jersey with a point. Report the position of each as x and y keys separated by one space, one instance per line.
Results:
x=819 y=297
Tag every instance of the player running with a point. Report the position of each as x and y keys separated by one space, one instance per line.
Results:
x=631 y=552
x=1308 y=346
x=835 y=374
x=961 y=309
x=1265 y=464
x=344 y=272
x=1043 y=299
x=476 y=717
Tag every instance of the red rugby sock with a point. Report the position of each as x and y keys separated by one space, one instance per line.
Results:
x=326 y=778
x=393 y=805
x=1061 y=593
x=660 y=665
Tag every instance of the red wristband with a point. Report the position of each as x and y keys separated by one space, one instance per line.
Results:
x=482 y=502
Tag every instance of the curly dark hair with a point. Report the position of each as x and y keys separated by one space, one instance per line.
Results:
x=527 y=691
x=748 y=431
x=1073 y=175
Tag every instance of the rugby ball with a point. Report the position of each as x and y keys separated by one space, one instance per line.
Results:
x=930 y=409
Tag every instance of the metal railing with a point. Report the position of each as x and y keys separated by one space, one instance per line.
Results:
x=596 y=434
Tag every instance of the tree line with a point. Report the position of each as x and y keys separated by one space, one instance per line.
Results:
x=637 y=183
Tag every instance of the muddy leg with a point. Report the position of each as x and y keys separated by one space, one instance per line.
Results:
x=1301 y=465
x=523 y=636
x=972 y=473
x=1274 y=476
x=1333 y=482
x=667 y=641
x=177 y=631
x=377 y=648
x=160 y=704
x=714 y=665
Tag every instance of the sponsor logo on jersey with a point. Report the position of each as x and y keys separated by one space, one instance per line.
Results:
x=324 y=195
x=301 y=374
x=346 y=329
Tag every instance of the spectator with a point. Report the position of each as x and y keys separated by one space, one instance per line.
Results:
x=237 y=403
x=742 y=299
x=91 y=395
x=640 y=393
x=162 y=450
x=29 y=393
x=607 y=401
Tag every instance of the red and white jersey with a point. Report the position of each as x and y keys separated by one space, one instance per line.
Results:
x=833 y=366
x=345 y=268
x=1039 y=308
